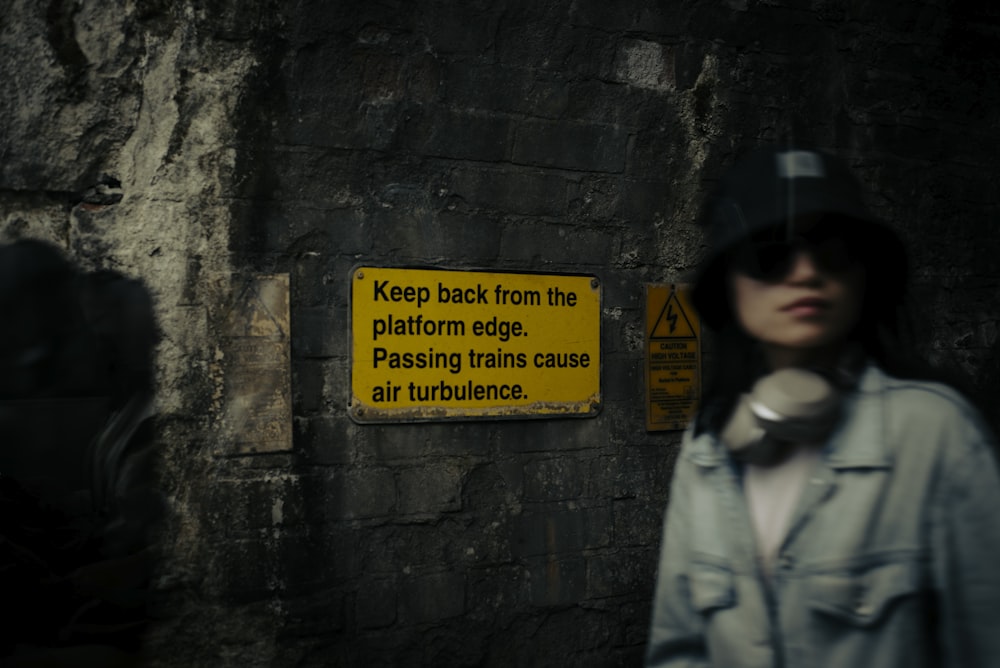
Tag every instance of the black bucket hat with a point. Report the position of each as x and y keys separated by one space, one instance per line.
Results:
x=769 y=188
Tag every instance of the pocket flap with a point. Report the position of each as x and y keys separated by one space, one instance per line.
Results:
x=712 y=587
x=862 y=598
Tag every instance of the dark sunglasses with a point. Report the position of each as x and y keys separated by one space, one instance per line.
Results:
x=771 y=259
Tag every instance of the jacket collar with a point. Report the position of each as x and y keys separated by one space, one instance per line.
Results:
x=859 y=441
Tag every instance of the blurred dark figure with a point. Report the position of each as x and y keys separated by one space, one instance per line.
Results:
x=79 y=504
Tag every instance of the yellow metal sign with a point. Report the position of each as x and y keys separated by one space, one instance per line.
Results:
x=434 y=344
x=673 y=357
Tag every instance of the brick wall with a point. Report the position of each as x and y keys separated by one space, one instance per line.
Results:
x=306 y=138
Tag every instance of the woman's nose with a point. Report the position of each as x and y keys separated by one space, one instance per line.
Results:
x=803 y=269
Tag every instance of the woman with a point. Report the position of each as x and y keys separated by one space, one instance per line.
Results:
x=827 y=508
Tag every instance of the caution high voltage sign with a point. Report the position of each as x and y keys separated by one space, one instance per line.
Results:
x=673 y=357
x=433 y=344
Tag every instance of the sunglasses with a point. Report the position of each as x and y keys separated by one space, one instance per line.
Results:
x=770 y=259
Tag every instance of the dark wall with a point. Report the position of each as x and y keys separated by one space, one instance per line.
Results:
x=457 y=136
x=306 y=138
x=557 y=137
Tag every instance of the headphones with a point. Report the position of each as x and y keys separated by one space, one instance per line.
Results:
x=786 y=407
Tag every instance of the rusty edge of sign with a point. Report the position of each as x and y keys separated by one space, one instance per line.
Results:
x=366 y=414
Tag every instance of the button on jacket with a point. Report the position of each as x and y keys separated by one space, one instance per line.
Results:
x=891 y=559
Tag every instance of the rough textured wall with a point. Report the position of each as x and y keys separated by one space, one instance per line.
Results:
x=198 y=146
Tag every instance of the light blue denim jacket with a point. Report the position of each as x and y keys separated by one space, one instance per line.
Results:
x=892 y=557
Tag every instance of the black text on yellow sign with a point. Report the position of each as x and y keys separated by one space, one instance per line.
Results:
x=436 y=344
x=673 y=357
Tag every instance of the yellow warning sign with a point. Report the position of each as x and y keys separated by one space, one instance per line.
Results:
x=437 y=344
x=673 y=357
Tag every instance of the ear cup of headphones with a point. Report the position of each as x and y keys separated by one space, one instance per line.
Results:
x=742 y=431
x=788 y=406
x=796 y=405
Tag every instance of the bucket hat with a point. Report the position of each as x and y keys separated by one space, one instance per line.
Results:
x=768 y=189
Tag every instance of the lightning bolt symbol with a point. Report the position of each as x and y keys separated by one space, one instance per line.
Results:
x=672 y=317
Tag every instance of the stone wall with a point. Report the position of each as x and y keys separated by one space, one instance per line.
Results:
x=208 y=148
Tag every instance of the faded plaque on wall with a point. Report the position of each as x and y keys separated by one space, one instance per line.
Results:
x=436 y=344
x=257 y=415
x=673 y=357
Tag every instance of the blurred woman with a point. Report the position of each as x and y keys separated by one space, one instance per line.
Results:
x=828 y=508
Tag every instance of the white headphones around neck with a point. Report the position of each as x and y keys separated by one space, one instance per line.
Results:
x=787 y=407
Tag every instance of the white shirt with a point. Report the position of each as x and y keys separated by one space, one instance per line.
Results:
x=772 y=492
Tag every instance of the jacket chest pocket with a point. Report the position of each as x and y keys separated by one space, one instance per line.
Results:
x=712 y=587
x=863 y=599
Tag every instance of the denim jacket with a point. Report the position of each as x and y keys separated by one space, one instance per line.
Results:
x=892 y=557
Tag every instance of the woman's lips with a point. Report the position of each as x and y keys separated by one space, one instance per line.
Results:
x=807 y=306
